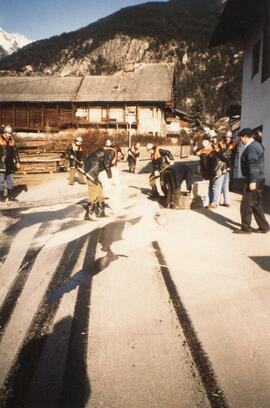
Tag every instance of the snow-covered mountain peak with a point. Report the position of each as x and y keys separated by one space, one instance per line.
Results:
x=11 y=42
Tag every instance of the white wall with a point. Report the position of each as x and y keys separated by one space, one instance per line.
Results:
x=150 y=120
x=256 y=101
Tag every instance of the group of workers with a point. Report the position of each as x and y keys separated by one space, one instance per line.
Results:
x=104 y=160
x=216 y=159
x=216 y=162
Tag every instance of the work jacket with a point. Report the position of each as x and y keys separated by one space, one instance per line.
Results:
x=218 y=165
x=181 y=172
x=9 y=156
x=76 y=151
x=229 y=152
x=252 y=162
x=101 y=159
x=160 y=158
x=133 y=154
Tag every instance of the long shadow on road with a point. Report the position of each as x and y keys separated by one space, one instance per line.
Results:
x=218 y=218
x=109 y=234
x=262 y=261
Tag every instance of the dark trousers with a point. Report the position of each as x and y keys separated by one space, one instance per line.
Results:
x=252 y=204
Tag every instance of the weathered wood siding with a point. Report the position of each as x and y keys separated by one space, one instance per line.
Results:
x=37 y=116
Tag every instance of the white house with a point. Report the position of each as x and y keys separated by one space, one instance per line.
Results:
x=248 y=22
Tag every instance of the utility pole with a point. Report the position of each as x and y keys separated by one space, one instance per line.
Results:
x=130 y=120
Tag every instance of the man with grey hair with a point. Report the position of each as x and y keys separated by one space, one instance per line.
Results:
x=252 y=167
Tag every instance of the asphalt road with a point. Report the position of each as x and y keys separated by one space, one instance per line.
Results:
x=145 y=308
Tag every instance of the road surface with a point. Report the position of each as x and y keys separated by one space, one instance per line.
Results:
x=145 y=308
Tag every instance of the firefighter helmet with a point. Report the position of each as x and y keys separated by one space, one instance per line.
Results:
x=149 y=146
x=8 y=129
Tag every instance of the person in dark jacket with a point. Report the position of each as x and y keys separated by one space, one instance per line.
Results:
x=133 y=157
x=228 y=149
x=101 y=159
x=75 y=155
x=218 y=170
x=252 y=168
x=161 y=159
x=174 y=176
x=9 y=163
x=205 y=164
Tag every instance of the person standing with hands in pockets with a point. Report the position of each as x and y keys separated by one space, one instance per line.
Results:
x=252 y=167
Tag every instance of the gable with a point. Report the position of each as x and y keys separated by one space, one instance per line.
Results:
x=238 y=20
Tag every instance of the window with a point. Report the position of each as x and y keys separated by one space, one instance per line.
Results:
x=256 y=58
x=266 y=53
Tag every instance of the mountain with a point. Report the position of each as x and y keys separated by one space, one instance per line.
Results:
x=3 y=52
x=175 y=31
x=197 y=7
x=11 y=42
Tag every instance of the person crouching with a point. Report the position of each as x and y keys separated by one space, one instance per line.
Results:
x=101 y=159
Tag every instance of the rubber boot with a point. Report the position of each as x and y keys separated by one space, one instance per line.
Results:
x=2 y=195
x=101 y=209
x=90 y=212
x=11 y=196
x=155 y=192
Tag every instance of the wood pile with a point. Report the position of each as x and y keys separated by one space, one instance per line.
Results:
x=41 y=156
x=41 y=163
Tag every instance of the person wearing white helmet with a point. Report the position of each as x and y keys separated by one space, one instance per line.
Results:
x=119 y=156
x=161 y=159
x=9 y=163
x=133 y=157
x=75 y=155
x=108 y=143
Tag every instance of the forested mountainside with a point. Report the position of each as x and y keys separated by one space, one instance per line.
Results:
x=175 y=31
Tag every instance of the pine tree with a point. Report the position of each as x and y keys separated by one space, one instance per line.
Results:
x=197 y=112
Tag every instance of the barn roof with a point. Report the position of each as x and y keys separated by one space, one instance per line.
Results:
x=237 y=20
x=147 y=83
x=142 y=83
x=38 y=89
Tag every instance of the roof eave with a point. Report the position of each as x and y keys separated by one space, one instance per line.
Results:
x=237 y=21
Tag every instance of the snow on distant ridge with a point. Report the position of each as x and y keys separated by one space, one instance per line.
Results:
x=11 y=42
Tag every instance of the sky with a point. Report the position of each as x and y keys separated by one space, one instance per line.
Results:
x=39 y=19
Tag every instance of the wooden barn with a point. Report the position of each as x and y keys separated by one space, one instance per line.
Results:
x=140 y=98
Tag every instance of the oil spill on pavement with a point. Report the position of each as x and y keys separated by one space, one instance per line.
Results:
x=203 y=365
